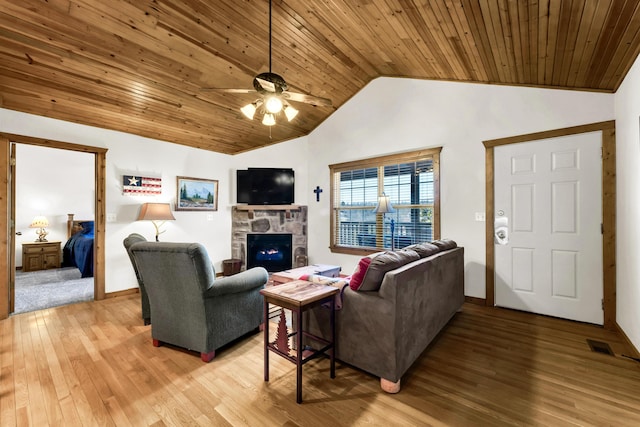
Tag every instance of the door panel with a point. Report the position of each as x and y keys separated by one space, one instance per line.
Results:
x=549 y=192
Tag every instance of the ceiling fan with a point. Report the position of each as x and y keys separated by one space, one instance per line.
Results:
x=274 y=94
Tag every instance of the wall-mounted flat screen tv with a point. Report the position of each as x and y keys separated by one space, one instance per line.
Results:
x=265 y=186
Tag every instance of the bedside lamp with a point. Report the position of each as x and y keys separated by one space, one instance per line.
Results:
x=40 y=222
x=155 y=212
x=384 y=207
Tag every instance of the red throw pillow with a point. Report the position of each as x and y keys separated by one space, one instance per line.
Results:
x=358 y=274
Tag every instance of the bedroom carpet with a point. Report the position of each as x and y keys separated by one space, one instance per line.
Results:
x=36 y=290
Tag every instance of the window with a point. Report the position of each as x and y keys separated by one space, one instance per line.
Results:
x=410 y=180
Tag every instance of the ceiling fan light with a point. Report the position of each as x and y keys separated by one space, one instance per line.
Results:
x=268 y=119
x=273 y=104
x=290 y=112
x=249 y=110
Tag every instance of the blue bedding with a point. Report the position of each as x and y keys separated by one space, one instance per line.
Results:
x=78 y=251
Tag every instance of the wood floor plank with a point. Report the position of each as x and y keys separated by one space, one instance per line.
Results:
x=7 y=368
x=94 y=364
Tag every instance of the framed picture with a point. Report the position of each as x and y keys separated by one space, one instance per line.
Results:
x=195 y=194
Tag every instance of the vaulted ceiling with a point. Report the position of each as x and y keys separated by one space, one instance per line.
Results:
x=140 y=66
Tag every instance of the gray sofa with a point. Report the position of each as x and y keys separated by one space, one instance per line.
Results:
x=191 y=308
x=383 y=331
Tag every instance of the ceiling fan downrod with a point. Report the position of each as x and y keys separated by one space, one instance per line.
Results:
x=270 y=36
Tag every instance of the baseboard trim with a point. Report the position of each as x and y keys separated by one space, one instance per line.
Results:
x=635 y=351
x=475 y=300
x=122 y=293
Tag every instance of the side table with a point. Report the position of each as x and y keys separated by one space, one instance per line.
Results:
x=298 y=296
x=40 y=255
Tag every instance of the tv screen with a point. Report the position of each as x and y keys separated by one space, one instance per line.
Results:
x=265 y=186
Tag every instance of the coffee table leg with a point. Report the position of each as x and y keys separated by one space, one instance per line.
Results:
x=299 y=357
x=266 y=340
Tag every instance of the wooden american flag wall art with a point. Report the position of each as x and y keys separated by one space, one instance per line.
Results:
x=141 y=185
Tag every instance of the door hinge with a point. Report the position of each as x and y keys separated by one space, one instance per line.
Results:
x=602 y=304
x=12 y=162
x=601 y=228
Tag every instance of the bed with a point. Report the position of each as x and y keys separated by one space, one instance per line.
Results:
x=78 y=250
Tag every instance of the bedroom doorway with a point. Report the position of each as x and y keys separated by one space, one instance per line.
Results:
x=56 y=186
x=7 y=205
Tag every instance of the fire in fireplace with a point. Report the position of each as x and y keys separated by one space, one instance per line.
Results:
x=269 y=250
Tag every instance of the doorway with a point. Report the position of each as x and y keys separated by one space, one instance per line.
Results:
x=7 y=203
x=53 y=268
x=606 y=131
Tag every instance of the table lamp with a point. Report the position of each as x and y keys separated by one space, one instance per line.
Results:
x=384 y=207
x=157 y=213
x=40 y=222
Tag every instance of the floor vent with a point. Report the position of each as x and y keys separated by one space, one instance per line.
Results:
x=600 y=347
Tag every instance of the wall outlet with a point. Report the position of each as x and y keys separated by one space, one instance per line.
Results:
x=111 y=217
x=480 y=216
x=209 y=217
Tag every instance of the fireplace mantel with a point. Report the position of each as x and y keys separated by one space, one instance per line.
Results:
x=252 y=208
x=268 y=207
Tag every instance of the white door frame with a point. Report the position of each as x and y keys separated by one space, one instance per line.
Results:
x=608 y=209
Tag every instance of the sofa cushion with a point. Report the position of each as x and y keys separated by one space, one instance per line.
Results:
x=445 y=244
x=358 y=274
x=383 y=263
x=424 y=249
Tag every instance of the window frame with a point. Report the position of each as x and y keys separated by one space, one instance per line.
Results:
x=432 y=154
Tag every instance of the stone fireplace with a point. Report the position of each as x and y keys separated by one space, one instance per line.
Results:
x=277 y=220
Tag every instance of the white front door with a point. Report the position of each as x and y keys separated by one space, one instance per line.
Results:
x=548 y=243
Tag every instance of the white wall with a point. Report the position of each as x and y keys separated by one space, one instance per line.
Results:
x=394 y=115
x=129 y=154
x=627 y=104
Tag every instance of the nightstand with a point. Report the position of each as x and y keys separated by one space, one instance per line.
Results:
x=40 y=256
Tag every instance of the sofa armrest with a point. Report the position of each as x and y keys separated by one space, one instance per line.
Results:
x=242 y=282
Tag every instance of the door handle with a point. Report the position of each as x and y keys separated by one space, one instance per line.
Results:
x=501 y=230
x=18 y=233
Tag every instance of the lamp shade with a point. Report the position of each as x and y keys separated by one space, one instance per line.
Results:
x=249 y=110
x=290 y=112
x=384 y=205
x=155 y=212
x=39 y=222
x=268 y=119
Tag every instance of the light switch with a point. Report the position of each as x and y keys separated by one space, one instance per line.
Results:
x=111 y=217
x=209 y=217
x=480 y=216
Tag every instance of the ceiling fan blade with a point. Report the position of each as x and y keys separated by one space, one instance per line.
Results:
x=215 y=89
x=266 y=84
x=309 y=99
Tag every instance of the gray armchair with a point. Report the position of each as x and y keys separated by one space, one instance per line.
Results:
x=144 y=299
x=191 y=308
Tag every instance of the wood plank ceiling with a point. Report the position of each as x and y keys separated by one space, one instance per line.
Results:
x=139 y=66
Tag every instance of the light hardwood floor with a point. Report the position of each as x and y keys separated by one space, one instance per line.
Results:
x=94 y=364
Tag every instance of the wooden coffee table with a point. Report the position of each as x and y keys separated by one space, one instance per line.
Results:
x=298 y=296
x=295 y=273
